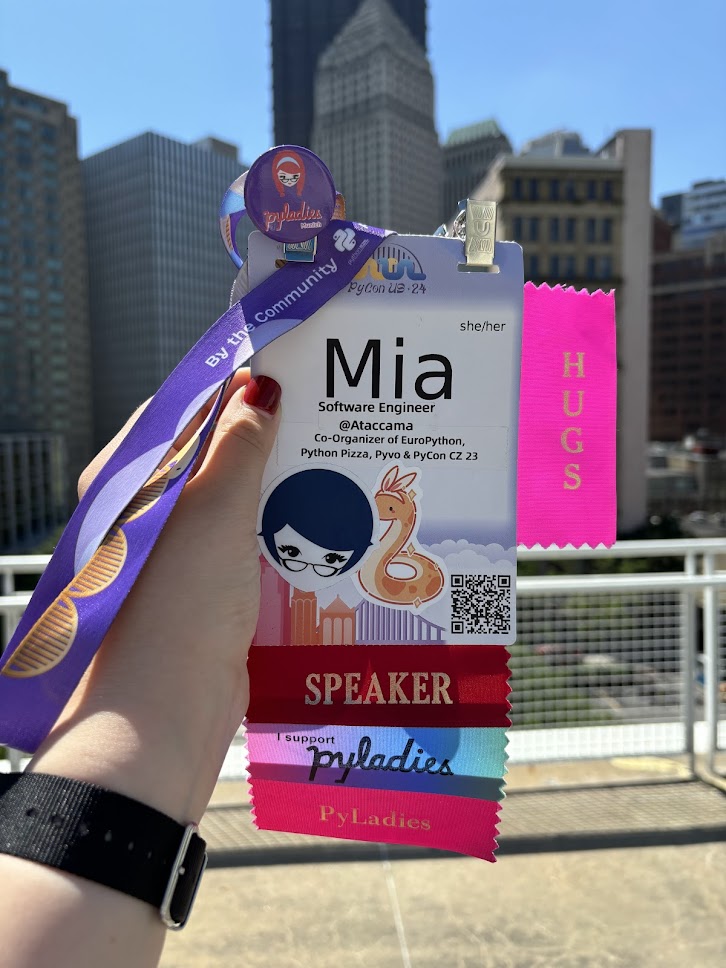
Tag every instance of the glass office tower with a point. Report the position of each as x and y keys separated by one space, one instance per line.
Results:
x=45 y=380
x=159 y=273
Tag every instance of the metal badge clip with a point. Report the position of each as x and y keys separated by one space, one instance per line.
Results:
x=476 y=224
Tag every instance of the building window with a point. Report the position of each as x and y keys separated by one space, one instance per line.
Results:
x=570 y=267
x=590 y=230
x=554 y=189
x=533 y=190
x=570 y=193
x=534 y=265
x=29 y=253
x=517 y=189
x=570 y=228
x=534 y=229
x=606 y=267
x=554 y=230
x=607 y=190
x=554 y=266
x=517 y=228
x=606 y=230
x=590 y=269
x=591 y=190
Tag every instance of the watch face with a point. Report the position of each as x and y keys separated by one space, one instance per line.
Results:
x=289 y=194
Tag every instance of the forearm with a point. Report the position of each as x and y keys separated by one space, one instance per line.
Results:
x=146 y=744
x=151 y=742
x=55 y=920
x=154 y=717
x=81 y=922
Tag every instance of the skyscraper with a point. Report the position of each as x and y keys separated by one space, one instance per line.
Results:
x=301 y=31
x=45 y=380
x=374 y=122
x=159 y=274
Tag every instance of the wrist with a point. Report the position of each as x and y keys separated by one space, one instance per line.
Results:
x=119 y=842
x=111 y=750
x=158 y=739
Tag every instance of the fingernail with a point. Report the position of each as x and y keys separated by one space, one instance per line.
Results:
x=263 y=393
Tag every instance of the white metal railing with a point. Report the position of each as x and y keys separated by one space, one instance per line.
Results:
x=604 y=665
x=655 y=641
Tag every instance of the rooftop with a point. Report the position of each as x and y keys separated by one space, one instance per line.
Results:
x=474 y=132
x=562 y=163
x=374 y=25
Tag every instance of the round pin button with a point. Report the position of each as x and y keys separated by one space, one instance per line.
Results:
x=289 y=194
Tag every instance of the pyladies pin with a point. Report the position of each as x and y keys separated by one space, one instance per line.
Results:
x=288 y=194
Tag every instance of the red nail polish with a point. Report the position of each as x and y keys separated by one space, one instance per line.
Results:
x=263 y=393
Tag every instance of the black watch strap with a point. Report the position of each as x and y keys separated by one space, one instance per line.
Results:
x=104 y=837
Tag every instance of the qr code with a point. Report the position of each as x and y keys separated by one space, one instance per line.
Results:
x=481 y=604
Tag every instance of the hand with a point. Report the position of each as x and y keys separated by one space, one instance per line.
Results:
x=154 y=715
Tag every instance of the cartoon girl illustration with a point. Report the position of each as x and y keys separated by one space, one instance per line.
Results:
x=317 y=524
x=288 y=170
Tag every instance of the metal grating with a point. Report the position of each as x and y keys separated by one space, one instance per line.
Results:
x=603 y=659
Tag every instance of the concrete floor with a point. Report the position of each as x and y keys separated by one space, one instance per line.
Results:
x=630 y=908
x=660 y=906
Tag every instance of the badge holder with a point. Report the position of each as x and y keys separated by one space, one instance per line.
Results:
x=406 y=744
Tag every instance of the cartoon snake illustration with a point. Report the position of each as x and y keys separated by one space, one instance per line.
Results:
x=395 y=571
x=50 y=639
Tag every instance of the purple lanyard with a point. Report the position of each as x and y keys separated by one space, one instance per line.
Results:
x=118 y=520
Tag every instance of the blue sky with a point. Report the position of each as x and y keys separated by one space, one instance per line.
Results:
x=189 y=68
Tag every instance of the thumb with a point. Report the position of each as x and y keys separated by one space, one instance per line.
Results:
x=242 y=439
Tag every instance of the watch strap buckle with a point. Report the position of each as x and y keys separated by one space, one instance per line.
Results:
x=184 y=880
